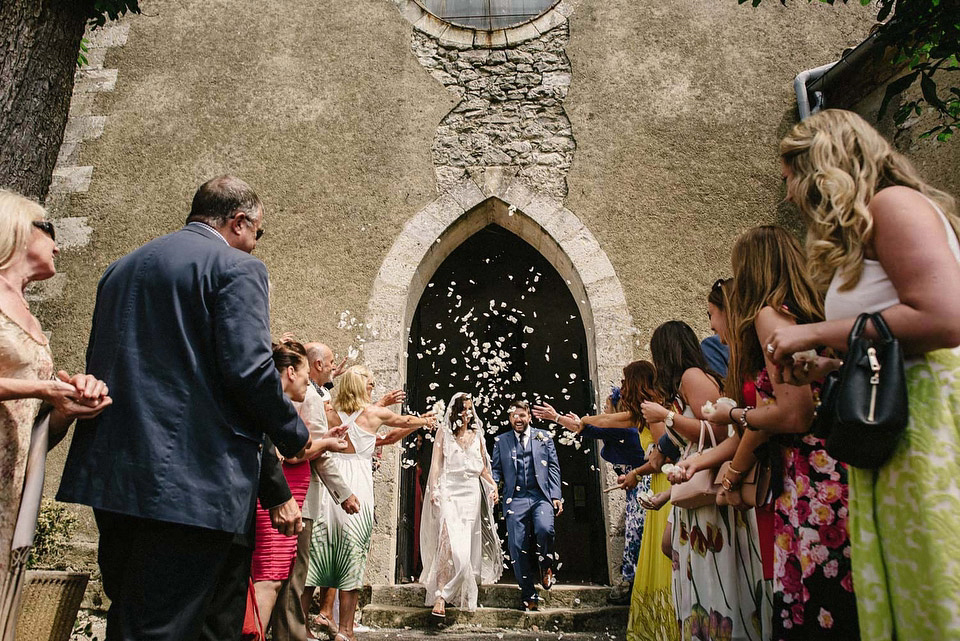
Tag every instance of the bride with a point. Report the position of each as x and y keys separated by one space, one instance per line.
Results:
x=459 y=545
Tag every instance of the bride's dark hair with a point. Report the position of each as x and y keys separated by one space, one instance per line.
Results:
x=456 y=409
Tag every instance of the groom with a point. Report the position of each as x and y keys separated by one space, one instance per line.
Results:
x=526 y=461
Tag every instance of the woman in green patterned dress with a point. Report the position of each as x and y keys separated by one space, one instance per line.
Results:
x=340 y=542
x=881 y=240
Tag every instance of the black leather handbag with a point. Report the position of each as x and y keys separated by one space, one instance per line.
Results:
x=863 y=407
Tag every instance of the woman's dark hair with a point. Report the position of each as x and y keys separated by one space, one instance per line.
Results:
x=717 y=295
x=456 y=410
x=675 y=349
x=638 y=386
x=288 y=354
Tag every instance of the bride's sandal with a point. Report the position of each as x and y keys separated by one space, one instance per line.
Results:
x=439 y=608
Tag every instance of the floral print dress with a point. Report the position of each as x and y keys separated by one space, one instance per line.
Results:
x=633 y=520
x=813 y=589
x=718 y=586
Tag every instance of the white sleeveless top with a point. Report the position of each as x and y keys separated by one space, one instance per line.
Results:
x=874 y=292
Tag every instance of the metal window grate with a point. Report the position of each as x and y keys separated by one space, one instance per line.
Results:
x=487 y=15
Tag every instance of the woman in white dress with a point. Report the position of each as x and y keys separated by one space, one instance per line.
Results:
x=459 y=545
x=340 y=542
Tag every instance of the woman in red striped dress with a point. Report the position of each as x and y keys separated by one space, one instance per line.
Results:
x=274 y=553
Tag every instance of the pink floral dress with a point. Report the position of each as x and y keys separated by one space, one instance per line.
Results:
x=813 y=591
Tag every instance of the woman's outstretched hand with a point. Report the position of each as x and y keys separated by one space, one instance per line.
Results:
x=545 y=412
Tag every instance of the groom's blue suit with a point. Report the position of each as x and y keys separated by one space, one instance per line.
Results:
x=531 y=482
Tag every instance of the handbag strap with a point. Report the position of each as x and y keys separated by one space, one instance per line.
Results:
x=881 y=326
x=705 y=428
x=858 y=326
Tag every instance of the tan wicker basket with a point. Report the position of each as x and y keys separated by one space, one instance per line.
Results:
x=50 y=604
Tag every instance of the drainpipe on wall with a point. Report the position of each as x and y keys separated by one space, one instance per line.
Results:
x=800 y=86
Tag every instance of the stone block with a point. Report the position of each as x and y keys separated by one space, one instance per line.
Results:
x=516 y=56
x=467 y=194
x=81 y=104
x=411 y=11
x=522 y=33
x=95 y=80
x=564 y=8
x=557 y=79
x=439 y=215
x=542 y=208
x=549 y=20
x=73 y=232
x=606 y=293
x=490 y=39
x=457 y=38
x=71 y=179
x=112 y=34
x=84 y=128
x=95 y=57
x=495 y=156
x=475 y=57
x=496 y=180
x=396 y=271
x=431 y=25
x=69 y=153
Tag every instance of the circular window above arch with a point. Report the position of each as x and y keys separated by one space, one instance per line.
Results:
x=487 y=15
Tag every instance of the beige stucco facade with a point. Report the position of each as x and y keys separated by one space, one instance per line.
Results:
x=658 y=147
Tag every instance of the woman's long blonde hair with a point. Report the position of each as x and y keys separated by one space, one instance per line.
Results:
x=768 y=270
x=839 y=162
x=17 y=215
x=352 y=394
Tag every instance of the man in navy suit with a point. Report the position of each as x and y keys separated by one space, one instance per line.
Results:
x=181 y=335
x=526 y=461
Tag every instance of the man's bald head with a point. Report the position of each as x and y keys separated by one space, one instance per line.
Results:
x=321 y=363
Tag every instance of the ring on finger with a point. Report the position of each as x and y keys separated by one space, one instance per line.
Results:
x=770 y=349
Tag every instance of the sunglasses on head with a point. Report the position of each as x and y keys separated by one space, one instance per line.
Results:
x=718 y=285
x=46 y=227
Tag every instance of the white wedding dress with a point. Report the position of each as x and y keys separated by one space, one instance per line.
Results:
x=459 y=545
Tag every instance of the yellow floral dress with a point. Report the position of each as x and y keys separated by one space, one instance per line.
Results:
x=652 y=617
x=22 y=356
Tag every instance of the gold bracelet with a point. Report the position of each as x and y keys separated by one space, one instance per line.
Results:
x=730 y=468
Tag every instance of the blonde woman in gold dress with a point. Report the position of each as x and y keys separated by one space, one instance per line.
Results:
x=27 y=252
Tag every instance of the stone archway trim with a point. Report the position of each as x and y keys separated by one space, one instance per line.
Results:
x=563 y=240
x=462 y=37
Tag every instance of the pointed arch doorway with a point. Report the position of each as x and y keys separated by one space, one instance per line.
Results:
x=497 y=320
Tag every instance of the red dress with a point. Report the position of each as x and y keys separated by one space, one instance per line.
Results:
x=274 y=553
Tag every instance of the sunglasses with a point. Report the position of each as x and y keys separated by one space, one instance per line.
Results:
x=259 y=233
x=718 y=285
x=46 y=227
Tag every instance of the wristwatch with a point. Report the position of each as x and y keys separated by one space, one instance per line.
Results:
x=669 y=420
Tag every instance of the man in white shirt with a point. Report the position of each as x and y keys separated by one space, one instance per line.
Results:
x=293 y=602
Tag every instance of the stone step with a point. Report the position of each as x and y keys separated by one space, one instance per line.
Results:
x=499 y=596
x=609 y=619
x=473 y=633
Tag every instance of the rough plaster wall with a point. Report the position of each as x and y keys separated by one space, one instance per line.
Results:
x=677 y=108
x=321 y=107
